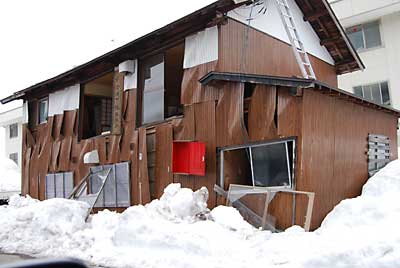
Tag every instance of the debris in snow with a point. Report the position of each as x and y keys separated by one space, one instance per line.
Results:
x=10 y=180
x=359 y=232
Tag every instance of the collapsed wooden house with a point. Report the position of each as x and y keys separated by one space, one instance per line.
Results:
x=215 y=99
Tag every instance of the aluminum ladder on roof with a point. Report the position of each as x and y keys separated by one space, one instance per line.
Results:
x=80 y=192
x=294 y=37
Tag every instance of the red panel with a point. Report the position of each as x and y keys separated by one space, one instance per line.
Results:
x=189 y=158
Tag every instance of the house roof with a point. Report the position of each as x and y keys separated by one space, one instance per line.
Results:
x=293 y=82
x=317 y=12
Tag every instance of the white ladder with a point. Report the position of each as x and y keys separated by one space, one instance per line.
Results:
x=293 y=34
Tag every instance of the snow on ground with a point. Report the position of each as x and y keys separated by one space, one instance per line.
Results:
x=10 y=178
x=177 y=231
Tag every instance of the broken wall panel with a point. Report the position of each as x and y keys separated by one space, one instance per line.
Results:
x=230 y=126
x=262 y=110
x=205 y=132
x=163 y=161
x=144 y=186
x=192 y=91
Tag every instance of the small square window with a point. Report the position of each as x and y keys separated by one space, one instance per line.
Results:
x=43 y=110
x=13 y=130
x=14 y=157
x=365 y=36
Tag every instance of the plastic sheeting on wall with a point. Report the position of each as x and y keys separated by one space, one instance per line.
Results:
x=130 y=68
x=64 y=100
x=116 y=191
x=201 y=48
x=59 y=185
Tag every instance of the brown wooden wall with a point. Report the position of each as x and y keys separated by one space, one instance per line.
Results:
x=334 y=140
x=243 y=49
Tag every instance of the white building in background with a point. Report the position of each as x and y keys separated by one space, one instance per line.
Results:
x=374 y=29
x=12 y=122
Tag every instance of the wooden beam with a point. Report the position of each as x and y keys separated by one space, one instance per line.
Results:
x=316 y=15
x=330 y=41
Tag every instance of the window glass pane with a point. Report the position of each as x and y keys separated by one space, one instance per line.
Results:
x=43 y=105
x=153 y=89
x=367 y=92
x=270 y=165
x=14 y=157
x=358 y=91
x=372 y=35
x=356 y=37
x=13 y=130
x=376 y=93
x=385 y=93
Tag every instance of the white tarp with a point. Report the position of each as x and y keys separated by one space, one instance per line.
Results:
x=130 y=68
x=64 y=100
x=201 y=47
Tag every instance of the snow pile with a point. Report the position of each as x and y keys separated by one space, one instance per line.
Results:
x=10 y=179
x=179 y=231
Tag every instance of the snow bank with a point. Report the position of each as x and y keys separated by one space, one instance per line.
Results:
x=10 y=178
x=179 y=231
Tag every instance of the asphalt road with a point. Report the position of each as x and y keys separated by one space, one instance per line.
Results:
x=10 y=258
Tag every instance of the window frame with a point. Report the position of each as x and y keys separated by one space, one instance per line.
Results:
x=45 y=99
x=82 y=104
x=16 y=160
x=362 y=25
x=140 y=85
x=290 y=165
x=380 y=91
x=13 y=134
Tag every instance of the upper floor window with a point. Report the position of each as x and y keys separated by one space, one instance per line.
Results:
x=378 y=92
x=97 y=106
x=160 y=79
x=365 y=36
x=13 y=130
x=43 y=110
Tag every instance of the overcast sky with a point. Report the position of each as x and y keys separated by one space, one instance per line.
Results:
x=42 y=38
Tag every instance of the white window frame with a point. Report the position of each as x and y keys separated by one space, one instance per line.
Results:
x=46 y=99
x=380 y=91
x=364 y=48
x=291 y=168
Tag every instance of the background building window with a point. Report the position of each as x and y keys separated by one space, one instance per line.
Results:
x=378 y=92
x=14 y=157
x=365 y=36
x=43 y=110
x=13 y=130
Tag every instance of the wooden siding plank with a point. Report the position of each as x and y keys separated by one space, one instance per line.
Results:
x=163 y=169
x=262 y=113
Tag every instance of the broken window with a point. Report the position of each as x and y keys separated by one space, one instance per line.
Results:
x=116 y=191
x=59 y=185
x=97 y=107
x=160 y=82
x=43 y=110
x=269 y=164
